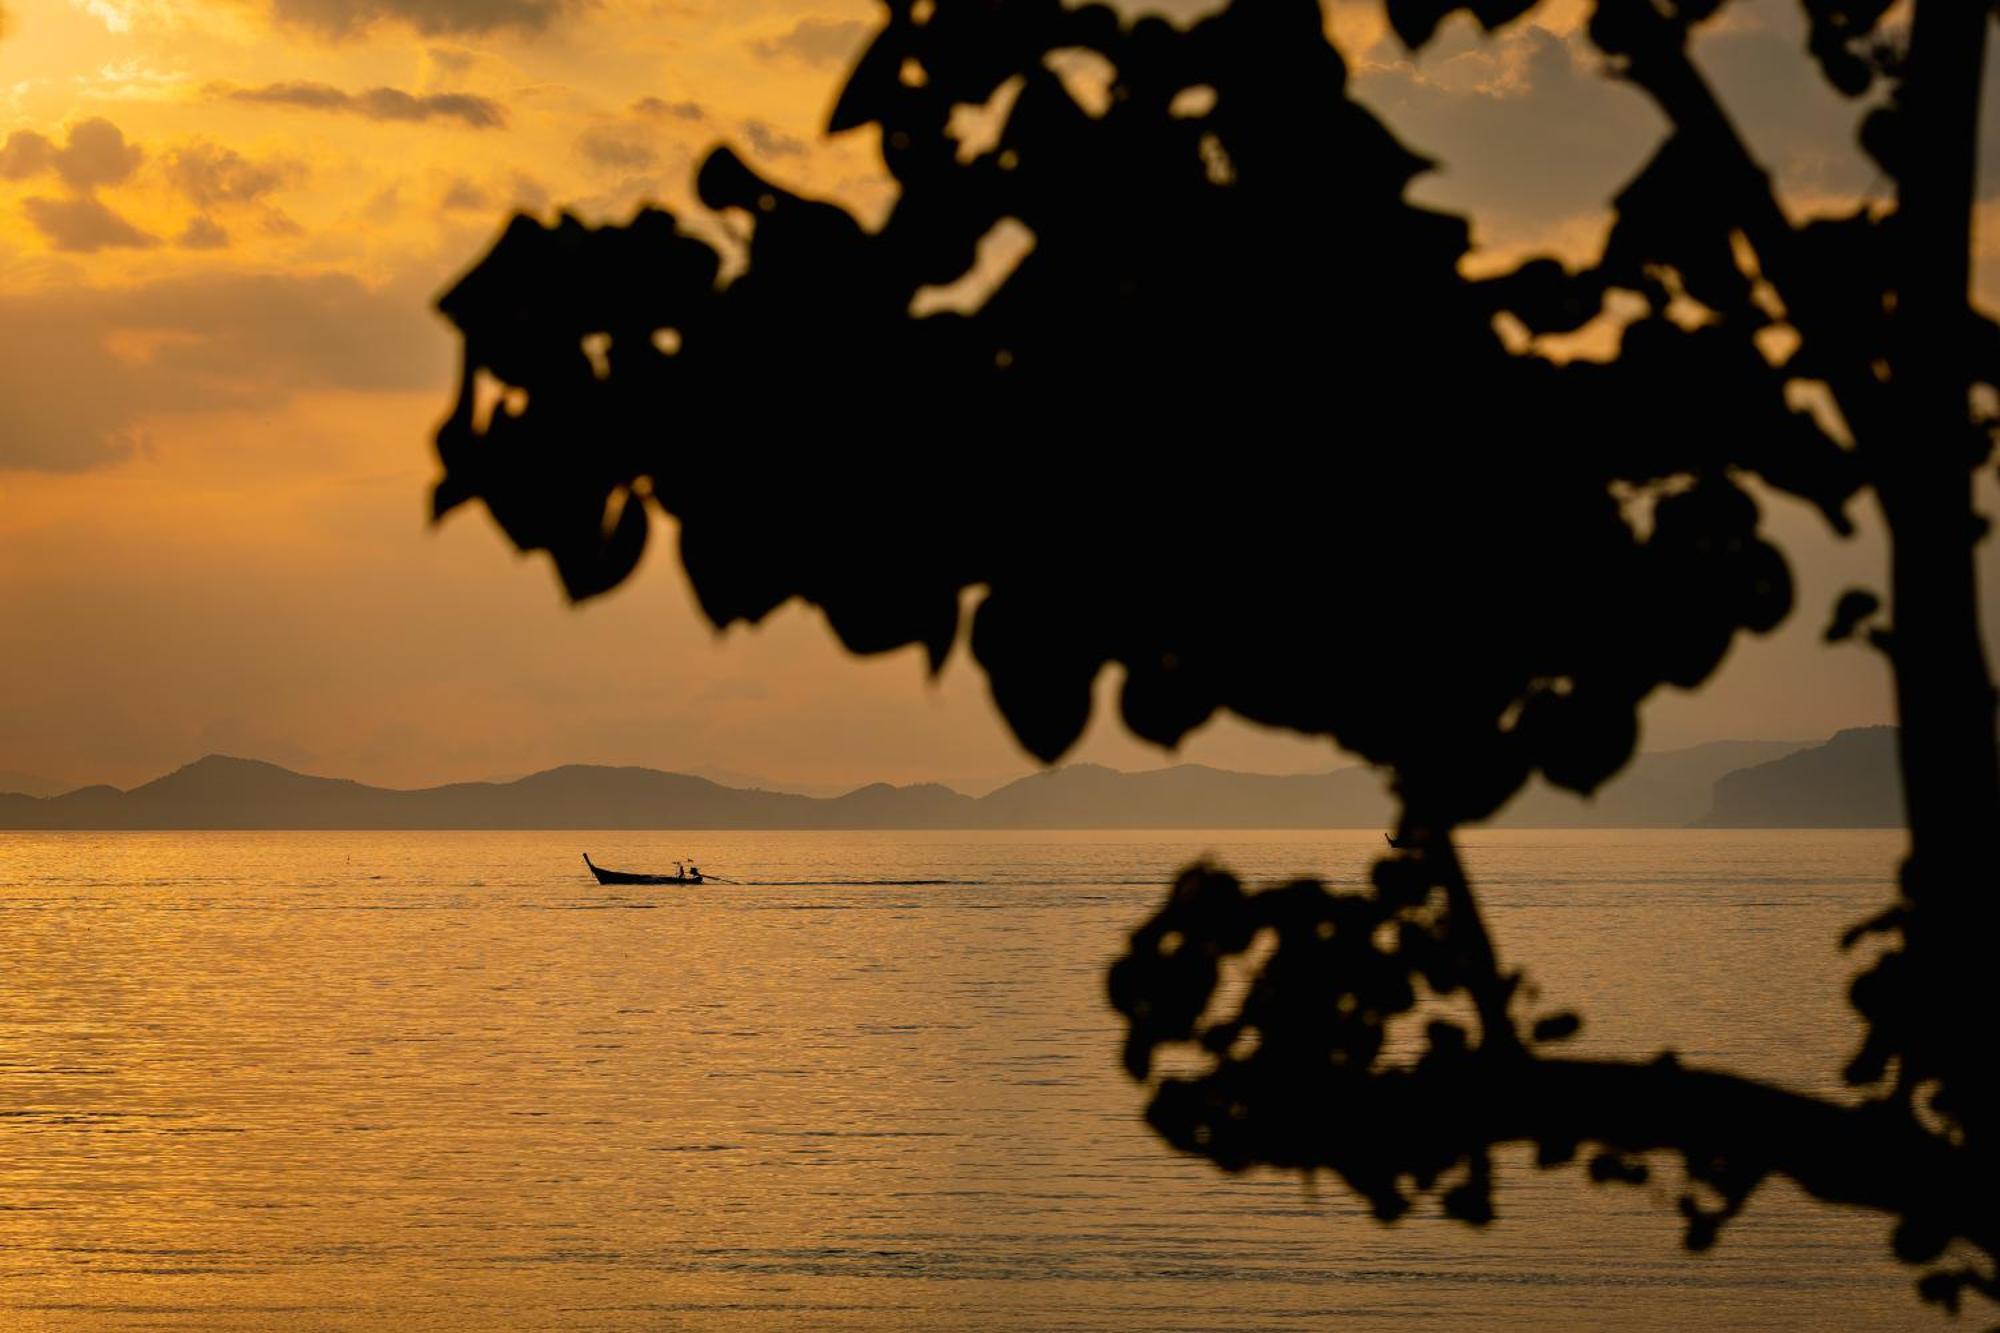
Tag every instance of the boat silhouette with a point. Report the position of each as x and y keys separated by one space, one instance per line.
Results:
x=692 y=875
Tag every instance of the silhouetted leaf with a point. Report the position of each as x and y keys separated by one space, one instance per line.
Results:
x=1557 y=1027
x=1855 y=605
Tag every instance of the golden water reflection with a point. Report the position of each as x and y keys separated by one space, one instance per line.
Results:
x=444 y=1080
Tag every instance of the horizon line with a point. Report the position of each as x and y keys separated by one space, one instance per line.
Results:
x=757 y=784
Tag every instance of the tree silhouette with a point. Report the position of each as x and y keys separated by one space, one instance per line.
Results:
x=1237 y=423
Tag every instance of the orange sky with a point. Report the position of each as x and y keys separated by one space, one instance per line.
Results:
x=221 y=222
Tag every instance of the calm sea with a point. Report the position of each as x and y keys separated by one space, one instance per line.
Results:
x=444 y=1080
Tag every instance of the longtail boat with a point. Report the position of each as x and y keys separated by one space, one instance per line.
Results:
x=692 y=875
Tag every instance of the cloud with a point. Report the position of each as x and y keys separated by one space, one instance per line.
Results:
x=1525 y=132
x=528 y=193
x=479 y=113
x=454 y=59
x=82 y=368
x=463 y=196
x=1530 y=135
x=208 y=175
x=1182 y=12
x=1793 y=121
x=84 y=225
x=771 y=142
x=618 y=147
x=96 y=154
x=817 y=41
x=130 y=80
x=26 y=154
x=345 y=18
x=383 y=206
x=203 y=234
x=656 y=108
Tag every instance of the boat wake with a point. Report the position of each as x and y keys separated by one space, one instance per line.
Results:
x=856 y=883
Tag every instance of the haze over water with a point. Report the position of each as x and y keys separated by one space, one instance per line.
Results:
x=343 y=1080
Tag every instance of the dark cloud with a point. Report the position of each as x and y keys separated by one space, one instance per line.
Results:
x=768 y=141
x=518 y=192
x=818 y=41
x=479 y=113
x=345 y=18
x=95 y=155
x=26 y=154
x=528 y=194
x=209 y=175
x=463 y=196
x=81 y=368
x=203 y=233
x=453 y=58
x=657 y=108
x=82 y=224
x=618 y=147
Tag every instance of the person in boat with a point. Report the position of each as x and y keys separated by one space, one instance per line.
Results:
x=694 y=872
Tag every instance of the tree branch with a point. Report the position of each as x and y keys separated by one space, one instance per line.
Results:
x=1871 y=1155
x=1653 y=48
x=1731 y=1131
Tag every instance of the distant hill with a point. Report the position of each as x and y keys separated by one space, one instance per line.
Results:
x=1671 y=789
x=1665 y=789
x=222 y=792
x=1730 y=782
x=1852 y=781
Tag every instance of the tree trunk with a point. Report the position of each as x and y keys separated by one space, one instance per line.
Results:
x=1944 y=692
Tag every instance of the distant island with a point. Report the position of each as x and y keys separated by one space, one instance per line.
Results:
x=1852 y=781
x=1849 y=781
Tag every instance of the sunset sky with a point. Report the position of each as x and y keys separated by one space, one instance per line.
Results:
x=222 y=223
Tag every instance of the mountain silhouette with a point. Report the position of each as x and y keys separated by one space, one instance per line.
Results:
x=1664 y=789
x=224 y=792
x=1773 y=783
x=1849 y=782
